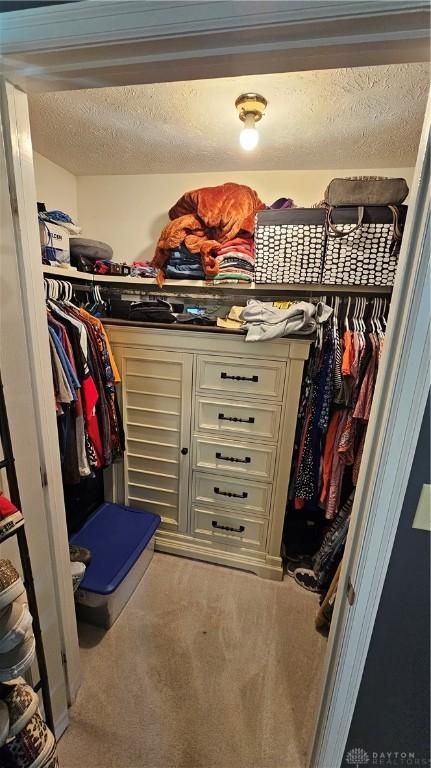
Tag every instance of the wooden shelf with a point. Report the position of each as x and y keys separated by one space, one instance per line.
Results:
x=254 y=288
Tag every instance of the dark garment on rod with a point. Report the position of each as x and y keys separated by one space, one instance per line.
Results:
x=67 y=434
x=328 y=557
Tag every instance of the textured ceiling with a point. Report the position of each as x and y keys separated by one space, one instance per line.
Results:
x=344 y=118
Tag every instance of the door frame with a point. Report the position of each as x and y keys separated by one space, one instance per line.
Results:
x=22 y=406
x=213 y=40
x=19 y=165
x=90 y=45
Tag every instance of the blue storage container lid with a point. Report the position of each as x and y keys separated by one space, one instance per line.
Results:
x=116 y=536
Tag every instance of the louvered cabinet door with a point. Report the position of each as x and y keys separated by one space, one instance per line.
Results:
x=156 y=398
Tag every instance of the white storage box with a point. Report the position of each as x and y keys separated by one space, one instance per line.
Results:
x=121 y=540
x=55 y=242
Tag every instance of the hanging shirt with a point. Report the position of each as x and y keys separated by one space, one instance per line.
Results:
x=98 y=324
x=68 y=370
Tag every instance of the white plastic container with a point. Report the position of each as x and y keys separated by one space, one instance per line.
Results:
x=103 y=610
x=121 y=540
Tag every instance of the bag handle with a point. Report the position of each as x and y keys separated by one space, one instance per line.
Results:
x=331 y=229
x=395 y=221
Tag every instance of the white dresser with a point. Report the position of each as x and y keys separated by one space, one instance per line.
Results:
x=209 y=423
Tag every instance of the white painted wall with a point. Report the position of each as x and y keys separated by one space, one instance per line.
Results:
x=55 y=186
x=128 y=212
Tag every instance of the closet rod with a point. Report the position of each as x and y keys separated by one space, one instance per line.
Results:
x=182 y=286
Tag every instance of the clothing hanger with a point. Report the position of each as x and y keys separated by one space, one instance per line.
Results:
x=336 y=306
x=361 y=319
x=347 y=314
x=377 y=318
x=385 y=312
x=373 y=312
x=356 y=321
x=354 y=316
x=382 y=317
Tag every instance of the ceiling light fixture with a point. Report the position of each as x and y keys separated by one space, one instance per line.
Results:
x=251 y=108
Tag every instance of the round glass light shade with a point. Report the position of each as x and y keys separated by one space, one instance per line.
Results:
x=249 y=135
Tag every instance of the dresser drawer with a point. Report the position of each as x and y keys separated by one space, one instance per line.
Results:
x=253 y=378
x=232 y=492
x=234 y=458
x=242 y=420
x=238 y=531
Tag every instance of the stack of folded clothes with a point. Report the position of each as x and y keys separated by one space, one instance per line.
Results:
x=235 y=260
x=61 y=219
x=142 y=269
x=203 y=221
x=183 y=265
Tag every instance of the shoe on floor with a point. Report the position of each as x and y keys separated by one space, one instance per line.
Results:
x=51 y=761
x=293 y=565
x=10 y=516
x=16 y=662
x=78 y=572
x=6 y=507
x=31 y=747
x=8 y=524
x=21 y=702
x=15 y=622
x=11 y=585
x=305 y=578
x=79 y=554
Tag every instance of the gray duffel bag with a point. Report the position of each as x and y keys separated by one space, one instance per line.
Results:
x=366 y=190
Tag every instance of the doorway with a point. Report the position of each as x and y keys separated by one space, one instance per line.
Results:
x=418 y=245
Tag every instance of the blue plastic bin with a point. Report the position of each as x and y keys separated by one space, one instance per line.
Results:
x=121 y=540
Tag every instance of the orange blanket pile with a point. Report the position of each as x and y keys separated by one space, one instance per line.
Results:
x=206 y=218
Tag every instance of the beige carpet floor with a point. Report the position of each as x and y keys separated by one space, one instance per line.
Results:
x=206 y=667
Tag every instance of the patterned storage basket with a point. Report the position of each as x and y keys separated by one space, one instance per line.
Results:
x=289 y=246
x=365 y=254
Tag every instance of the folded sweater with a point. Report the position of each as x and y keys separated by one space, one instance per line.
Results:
x=265 y=322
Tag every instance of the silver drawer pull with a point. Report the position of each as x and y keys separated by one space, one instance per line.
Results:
x=246 y=460
x=215 y=524
x=230 y=494
x=254 y=378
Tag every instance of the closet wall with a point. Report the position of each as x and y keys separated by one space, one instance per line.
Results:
x=128 y=212
x=55 y=186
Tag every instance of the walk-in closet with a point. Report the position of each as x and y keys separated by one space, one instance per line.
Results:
x=216 y=261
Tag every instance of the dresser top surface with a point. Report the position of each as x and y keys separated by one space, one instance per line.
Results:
x=190 y=328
